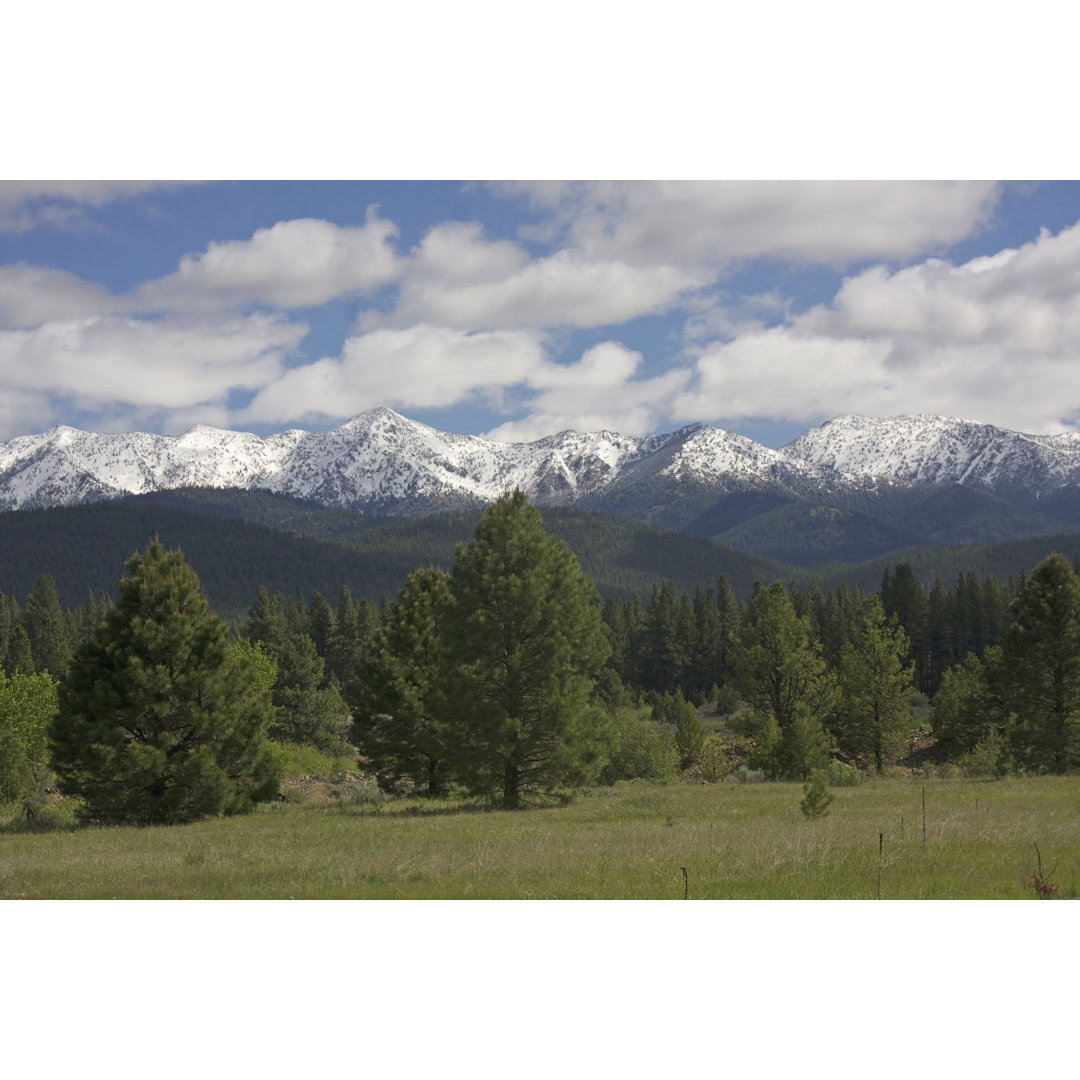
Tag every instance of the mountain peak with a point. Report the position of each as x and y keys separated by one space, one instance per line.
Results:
x=384 y=463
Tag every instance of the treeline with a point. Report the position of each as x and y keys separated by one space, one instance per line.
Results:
x=683 y=642
x=809 y=680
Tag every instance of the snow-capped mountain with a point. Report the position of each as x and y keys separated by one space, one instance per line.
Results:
x=378 y=461
x=919 y=450
x=382 y=463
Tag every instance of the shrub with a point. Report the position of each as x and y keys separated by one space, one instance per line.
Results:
x=987 y=759
x=837 y=774
x=689 y=734
x=298 y=759
x=713 y=764
x=817 y=797
x=642 y=750
x=726 y=698
x=747 y=775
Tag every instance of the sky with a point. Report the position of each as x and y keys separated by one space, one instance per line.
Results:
x=777 y=282
x=517 y=309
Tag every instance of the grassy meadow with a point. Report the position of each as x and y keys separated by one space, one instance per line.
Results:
x=736 y=841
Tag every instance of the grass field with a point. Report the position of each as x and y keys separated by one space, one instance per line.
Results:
x=736 y=841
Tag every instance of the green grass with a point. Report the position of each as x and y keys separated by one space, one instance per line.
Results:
x=737 y=841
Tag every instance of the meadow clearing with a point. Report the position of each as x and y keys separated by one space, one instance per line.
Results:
x=735 y=840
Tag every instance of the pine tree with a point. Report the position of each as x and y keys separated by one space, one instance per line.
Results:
x=160 y=719
x=1042 y=668
x=321 y=622
x=525 y=639
x=816 y=796
x=306 y=710
x=689 y=731
x=47 y=627
x=20 y=657
x=780 y=673
x=874 y=685
x=967 y=705
x=355 y=625
x=401 y=727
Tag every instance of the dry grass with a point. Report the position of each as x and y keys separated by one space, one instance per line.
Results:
x=629 y=842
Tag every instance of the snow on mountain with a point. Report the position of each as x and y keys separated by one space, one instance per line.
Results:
x=939 y=450
x=378 y=460
x=711 y=454
x=381 y=462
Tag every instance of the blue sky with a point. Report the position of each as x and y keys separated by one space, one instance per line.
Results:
x=520 y=309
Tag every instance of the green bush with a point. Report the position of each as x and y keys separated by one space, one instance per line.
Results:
x=689 y=733
x=837 y=774
x=362 y=792
x=987 y=759
x=817 y=797
x=297 y=759
x=642 y=750
x=746 y=775
x=713 y=763
x=726 y=698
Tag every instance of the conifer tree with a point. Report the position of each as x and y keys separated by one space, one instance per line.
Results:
x=20 y=657
x=874 y=685
x=525 y=641
x=780 y=672
x=1042 y=668
x=160 y=719
x=689 y=731
x=321 y=623
x=307 y=711
x=967 y=705
x=401 y=727
x=47 y=627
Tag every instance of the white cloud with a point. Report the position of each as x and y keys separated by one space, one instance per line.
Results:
x=994 y=339
x=696 y=223
x=457 y=278
x=420 y=367
x=111 y=364
x=598 y=392
x=298 y=263
x=32 y=295
x=22 y=412
x=28 y=204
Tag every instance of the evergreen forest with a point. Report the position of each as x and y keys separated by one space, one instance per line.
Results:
x=523 y=653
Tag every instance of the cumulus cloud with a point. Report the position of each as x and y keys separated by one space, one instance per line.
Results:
x=457 y=278
x=299 y=263
x=419 y=367
x=32 y=295
x=117 y=363
x=994 y=339
x=695 y=223
x=600 y=391
x=28 y=204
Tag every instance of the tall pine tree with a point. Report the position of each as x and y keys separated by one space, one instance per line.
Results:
x=160 y=719
x=1042 y=668
x=525 y=641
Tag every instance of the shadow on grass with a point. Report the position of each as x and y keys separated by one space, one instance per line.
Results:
x=440 y=808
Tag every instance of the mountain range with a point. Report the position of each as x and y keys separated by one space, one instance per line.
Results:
x=853 y=488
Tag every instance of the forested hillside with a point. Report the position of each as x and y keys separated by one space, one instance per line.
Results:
x=82 y=547
x=243 y=540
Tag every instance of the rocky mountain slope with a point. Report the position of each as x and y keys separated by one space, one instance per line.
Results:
x=897 y=473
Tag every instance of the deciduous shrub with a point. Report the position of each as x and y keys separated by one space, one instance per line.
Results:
x=642 y=750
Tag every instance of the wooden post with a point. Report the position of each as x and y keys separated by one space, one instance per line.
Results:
x=685 y=885
x=924 y=814
x=880 y=846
